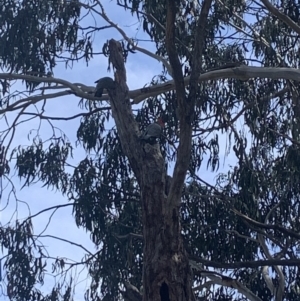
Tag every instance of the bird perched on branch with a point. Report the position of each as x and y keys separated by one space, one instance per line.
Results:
x=104 y=83
x=153 y=131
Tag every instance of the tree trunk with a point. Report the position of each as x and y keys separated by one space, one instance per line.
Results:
x=166 y=273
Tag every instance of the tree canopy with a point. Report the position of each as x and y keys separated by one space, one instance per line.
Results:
x=228 y=92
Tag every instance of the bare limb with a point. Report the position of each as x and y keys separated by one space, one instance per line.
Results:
x=278 y=292
x=242 y=73
x=267 y=278
x=138 y=95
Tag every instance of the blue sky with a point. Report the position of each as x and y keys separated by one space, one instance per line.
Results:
x=140 y=70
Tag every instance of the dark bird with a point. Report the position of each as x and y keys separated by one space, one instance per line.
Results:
x=153 y=131
x=106 y=83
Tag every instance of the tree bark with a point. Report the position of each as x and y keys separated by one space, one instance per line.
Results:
x=166 y=274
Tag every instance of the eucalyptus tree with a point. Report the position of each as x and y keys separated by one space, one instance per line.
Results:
x=229 y=82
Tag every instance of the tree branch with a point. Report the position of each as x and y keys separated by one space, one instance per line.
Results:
x=183 y=156
x=281 y=16
x=267 y=278
x=185 y=106
x=232 y=283
x=266 y=226
x=278 y=291
x=242 y=73
x=41 y=116
x=245 y=264
x=222 y=280
x=130 y=41
x=39 y=79
x=138 y=95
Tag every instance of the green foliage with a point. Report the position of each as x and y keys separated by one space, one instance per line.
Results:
x=47 y=166
x=25 y=263
x=35 y=33
x=260 y=127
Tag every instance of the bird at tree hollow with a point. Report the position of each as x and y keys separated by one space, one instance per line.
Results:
x=104 y=83
x=153 y=131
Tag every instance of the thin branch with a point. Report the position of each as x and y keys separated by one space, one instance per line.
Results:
x=222 y=280
x=241 y=235
x=278 y=293
x=67 y=241
x=185 y=136
x=185 y=106
x=267 y=278
x=128 y=40
x=281 y=16
x=245 y=264
x=134 y=235
x=67 y=118
x=281 y=284
x=13 y=128
x=151 y=17
x=266 y=226
x=47 y=209
x=232 y=283
x=32 y=99
x=38 y=79
x=255 y=33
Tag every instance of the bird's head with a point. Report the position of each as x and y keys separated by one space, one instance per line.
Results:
x=160 y=121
